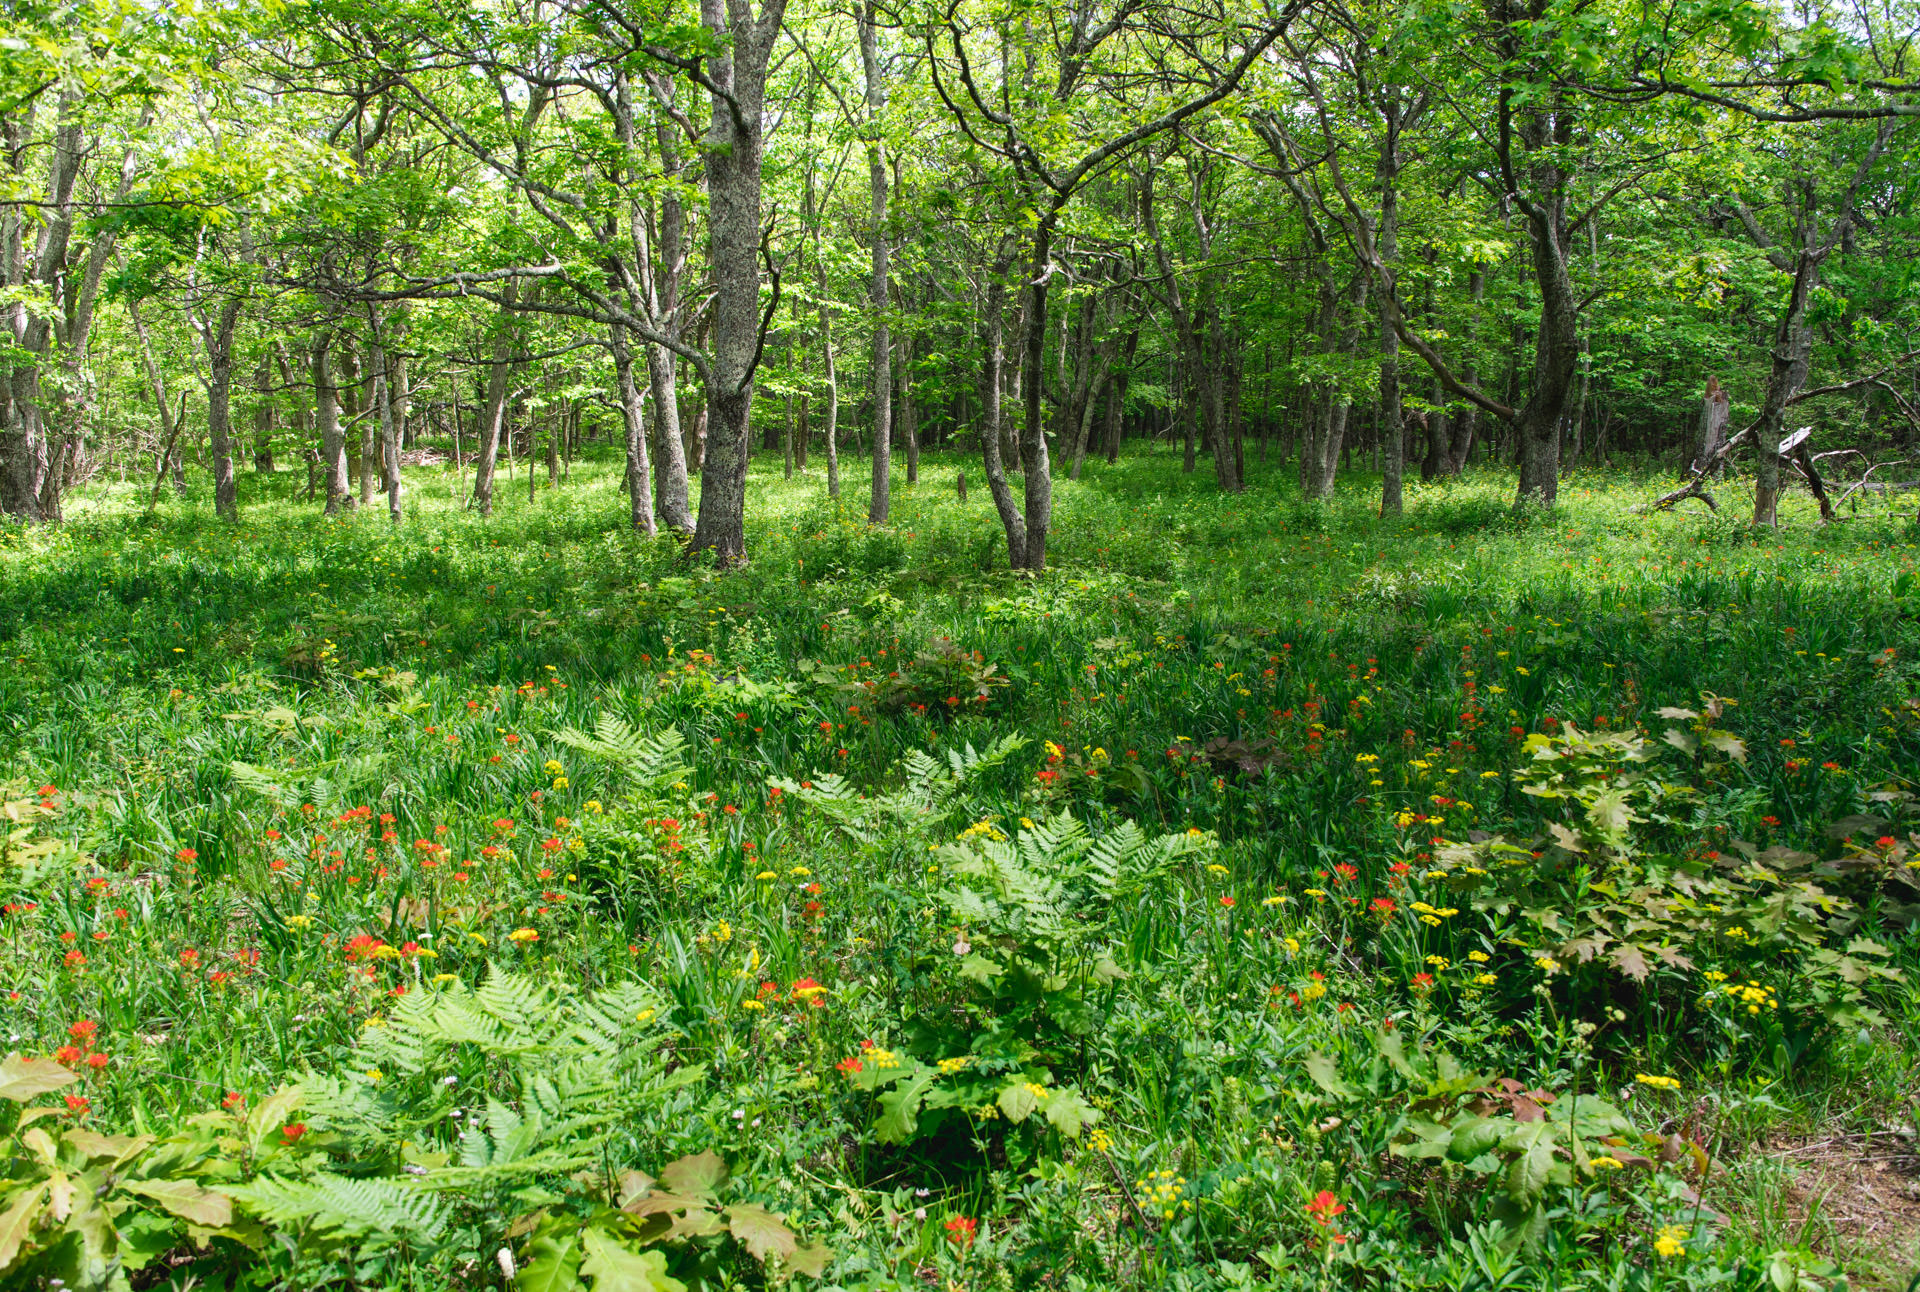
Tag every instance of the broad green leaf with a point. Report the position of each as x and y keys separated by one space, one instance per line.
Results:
x=760 y=1231
x=553 y=1264
x=1527 y=1177
x=1325 y=1072
x=1069 y=1114
x=116 y=1148
x=22 y=1079
x=698 y=1175
x=614 y=1267
x=1018 y=1101
x=900 y=1109
x=17 y=1221
x=810 y=1261
x=186 y=1200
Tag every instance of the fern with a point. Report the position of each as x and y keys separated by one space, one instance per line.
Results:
x=390 y=1212
x=651 y=760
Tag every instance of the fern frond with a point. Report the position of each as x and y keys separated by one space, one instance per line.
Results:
x=343 y=1207
x=255 y=781
x=641 y=757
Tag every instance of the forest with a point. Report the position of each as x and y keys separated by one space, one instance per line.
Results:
x=1214 y=645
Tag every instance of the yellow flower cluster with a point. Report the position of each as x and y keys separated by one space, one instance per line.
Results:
x=883 y=1058
x=1164 y=1192
x=959 y=1064
x=1671 y=1241
x=1432 y=915
x=1752 y=995
x=1658 y=1083
x=982 y=830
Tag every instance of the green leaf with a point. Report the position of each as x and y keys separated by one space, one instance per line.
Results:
x=900 y=1115
x=1068 y=1113
x=760 y=1231
x=699 y=1175
x=1527 y=1177
x=186 y=1200
x=553 y=1264
x=980 y=969
x=1730 y=745
x=810 y=1261
x=22 y=1079
x=614 y=1267
x=17 y=1222
x=1325 y=1072
x=1017 y=1101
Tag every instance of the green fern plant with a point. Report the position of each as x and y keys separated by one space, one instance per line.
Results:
x=650 y=761
x=932 y=793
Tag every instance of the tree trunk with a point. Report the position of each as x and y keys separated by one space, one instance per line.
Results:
x=909 y=413
x=263 y=418
x=1714 y=410
x=383 y=403
x=738 y=72
x=333 y=444
x=1792 y=360
x=993 y=352
x=493 y=415
x=1033 y=436
x=217 y=334
x=877 y=283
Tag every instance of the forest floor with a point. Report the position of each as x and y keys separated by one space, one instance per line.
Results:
x=1268 y=896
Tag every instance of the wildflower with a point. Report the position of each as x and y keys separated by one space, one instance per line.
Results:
x=1658 y=1083
x=961 y=1231
x=1422 y=981
x=292 y=1131
x=1671 y=1241
x=67 y=1054
x=1607 y=1163
x=1227 y=902
x=1383 y=906
x=1547 y=964
x=186 y=855
x=78 y=1105
x=523 y=936
x=84 y=1031
x=1323 y=1210
x=847 y=1067
x=1478 y=957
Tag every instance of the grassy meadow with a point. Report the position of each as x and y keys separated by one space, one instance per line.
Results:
x=1268 y=896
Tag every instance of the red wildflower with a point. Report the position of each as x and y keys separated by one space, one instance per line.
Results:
x=292 y=1132
x=961 y=1231
x=1325 y=1207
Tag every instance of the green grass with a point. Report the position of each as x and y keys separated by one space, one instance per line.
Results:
x=1348 y=670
